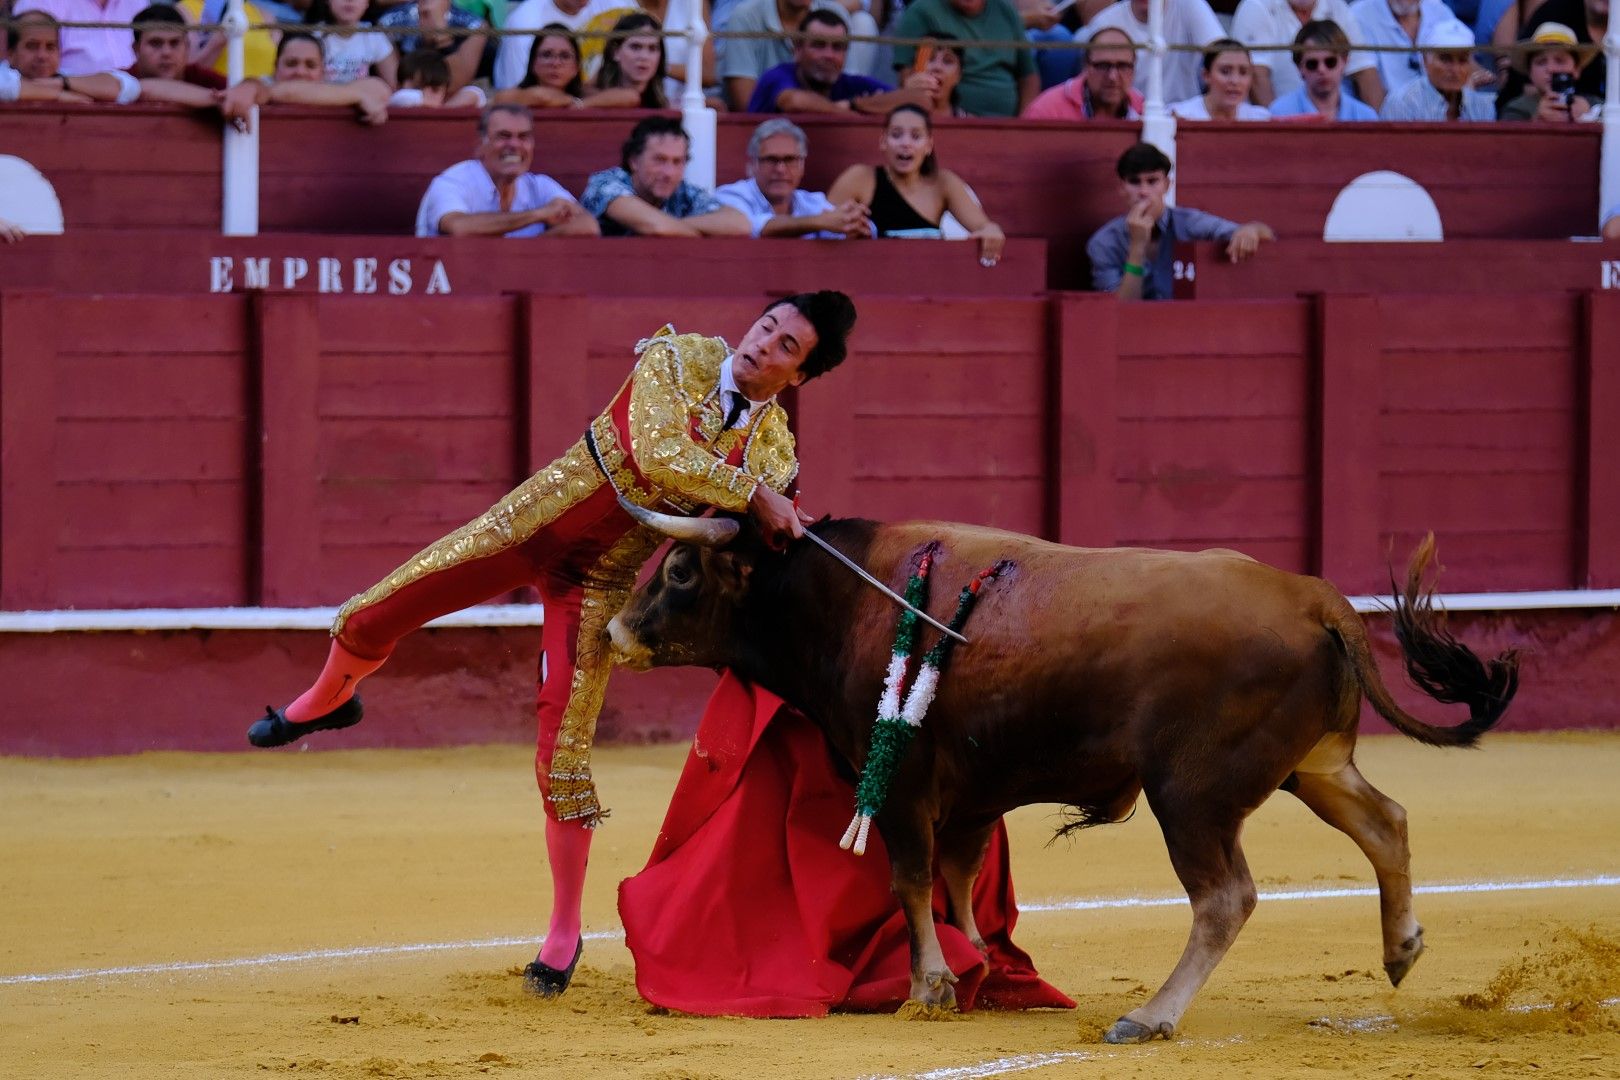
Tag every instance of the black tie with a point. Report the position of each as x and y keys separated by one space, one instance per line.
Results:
x=738 y=404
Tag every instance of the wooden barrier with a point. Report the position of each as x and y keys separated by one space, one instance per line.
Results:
x=1461 y=267
x=285 y=449
x=159 y=167
x=194 y=262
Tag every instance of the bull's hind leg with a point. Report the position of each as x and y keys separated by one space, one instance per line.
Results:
x=1377 y=824
x=1203 y=843
x=961 y=855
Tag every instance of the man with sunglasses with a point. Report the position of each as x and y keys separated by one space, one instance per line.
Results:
x=1259 y=23
x=1320 y=52
x=1443 y=92
x=770 y=196
x=1103 y=90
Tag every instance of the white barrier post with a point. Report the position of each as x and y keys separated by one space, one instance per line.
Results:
x=1158 y=126
x=1609 y=162
x=240 y=214
x=700 y=122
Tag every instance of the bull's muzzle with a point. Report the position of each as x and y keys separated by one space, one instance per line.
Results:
x=626 y=649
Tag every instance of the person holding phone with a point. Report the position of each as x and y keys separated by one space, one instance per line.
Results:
x=1549 y=95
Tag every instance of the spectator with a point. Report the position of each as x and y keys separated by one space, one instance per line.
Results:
x=1443 y=91
x=647 y=195
x=1266 y=22
x=424 y=82
x=1230 y=76
x=299 y=79
x=770 y=196
x=1103 y=89
x=909 y=195
x=161 y=46
x=434 y=20
x=495 y=194
x=995 y=82
x=351 y=50
x=258 y=44
x=1132 y=256
x=1044 y=24
x=553 y=79
x=1589 y=19
x=1321 y=52
x=633 y=67
x=1394 y=24
x=943 y=59
x=34 y=44
x=86 y=51
x=514 y=50
x=1554 y=62
x=671 y=15
x=744 y=60
x=815 y=80
x=1186 y=22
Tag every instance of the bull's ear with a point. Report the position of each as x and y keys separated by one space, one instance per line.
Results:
x=731 y=570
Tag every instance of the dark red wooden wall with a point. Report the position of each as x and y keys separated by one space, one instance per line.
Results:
x=287 y=450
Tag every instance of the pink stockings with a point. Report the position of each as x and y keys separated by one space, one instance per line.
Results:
x=568 y=846
x=342 y=673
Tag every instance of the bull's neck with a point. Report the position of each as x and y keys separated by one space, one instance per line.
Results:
x=797 y=622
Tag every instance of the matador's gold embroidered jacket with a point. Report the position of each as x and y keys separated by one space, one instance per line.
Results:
x=660 y=440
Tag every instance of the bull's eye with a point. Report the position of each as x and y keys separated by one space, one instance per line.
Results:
x=678 y=574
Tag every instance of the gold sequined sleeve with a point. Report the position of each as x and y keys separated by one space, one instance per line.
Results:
x=771 y=456
x=661 y=441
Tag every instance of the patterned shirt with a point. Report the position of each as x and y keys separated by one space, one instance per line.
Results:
x=408 y=16
x=609 y=184
x=1419 y=100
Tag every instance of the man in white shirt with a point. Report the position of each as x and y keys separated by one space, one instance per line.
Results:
x=91 y=51
x=512 y=60
x=1394 y=23
x=770 y=196
x=1272 y=22
x=1186 y=22
x=495 y=194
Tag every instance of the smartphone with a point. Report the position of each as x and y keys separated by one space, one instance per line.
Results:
x=1562 y=85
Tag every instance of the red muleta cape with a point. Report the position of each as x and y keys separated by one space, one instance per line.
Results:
x=747 y=906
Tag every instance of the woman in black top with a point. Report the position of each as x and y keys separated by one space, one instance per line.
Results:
x=908 y=194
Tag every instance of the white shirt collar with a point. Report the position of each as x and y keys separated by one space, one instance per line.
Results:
x=728 y=386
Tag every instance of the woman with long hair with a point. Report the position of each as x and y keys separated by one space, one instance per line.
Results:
x=908 y=194
x=633 y=66
x=1228 y=78
x=553 y=78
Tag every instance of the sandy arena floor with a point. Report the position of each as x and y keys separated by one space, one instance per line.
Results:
x=215 y=877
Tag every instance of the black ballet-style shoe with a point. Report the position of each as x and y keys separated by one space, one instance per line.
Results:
x=274 y=729
x=547 y=981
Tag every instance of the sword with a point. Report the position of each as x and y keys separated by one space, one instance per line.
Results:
x=882 y=588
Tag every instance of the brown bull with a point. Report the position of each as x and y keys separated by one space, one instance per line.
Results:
x=1207 y=681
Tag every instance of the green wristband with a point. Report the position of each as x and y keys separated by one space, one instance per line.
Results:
x=1132 y=268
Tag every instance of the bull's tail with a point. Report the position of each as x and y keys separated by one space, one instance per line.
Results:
x=1439 y=664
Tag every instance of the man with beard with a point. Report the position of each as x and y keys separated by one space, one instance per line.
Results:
x=770 y=196
x=647 y=195
x=815 y=80
x=1396 y=25
x=495 y=194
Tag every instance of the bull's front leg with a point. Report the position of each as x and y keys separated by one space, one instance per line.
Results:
x=908 y=832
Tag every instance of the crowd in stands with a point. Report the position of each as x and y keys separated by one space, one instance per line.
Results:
x=1331 y=60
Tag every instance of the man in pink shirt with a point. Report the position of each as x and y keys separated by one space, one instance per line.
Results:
x=1103 y=90
x=85 y=52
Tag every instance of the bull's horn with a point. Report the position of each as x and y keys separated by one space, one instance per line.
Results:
x=704 y=532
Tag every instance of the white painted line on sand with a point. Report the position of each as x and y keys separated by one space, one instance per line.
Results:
x=368 y=952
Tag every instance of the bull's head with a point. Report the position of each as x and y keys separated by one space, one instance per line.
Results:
x=686 y=614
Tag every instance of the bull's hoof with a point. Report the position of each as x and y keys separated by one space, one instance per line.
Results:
x=1411 y=949
x=934 y=988
x=1129 y=1031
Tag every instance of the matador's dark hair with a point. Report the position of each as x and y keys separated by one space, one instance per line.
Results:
x=833 y=315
